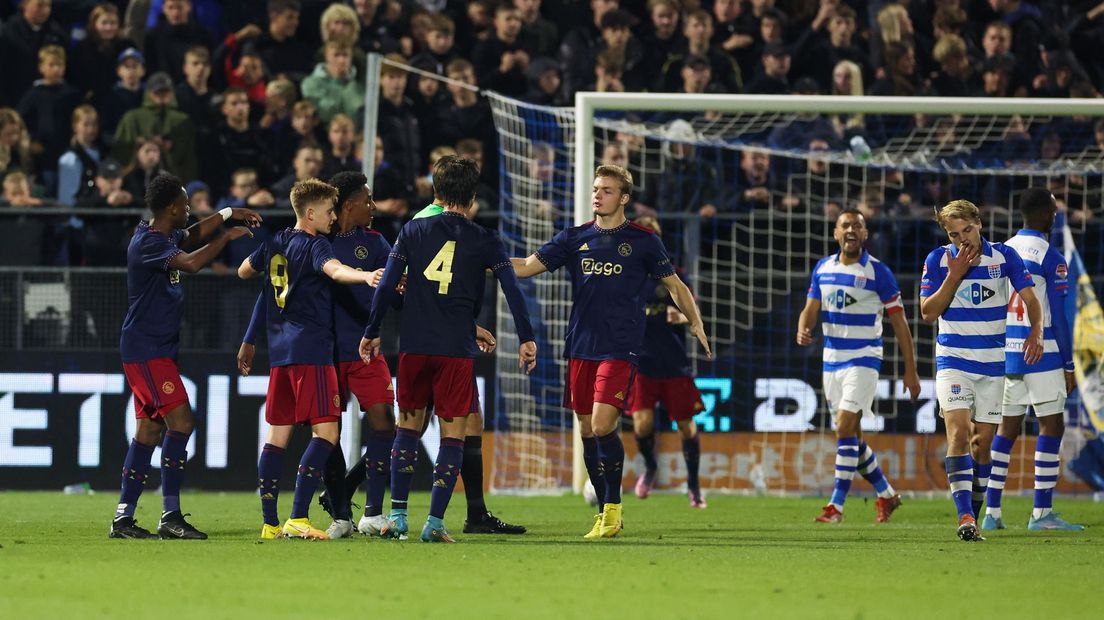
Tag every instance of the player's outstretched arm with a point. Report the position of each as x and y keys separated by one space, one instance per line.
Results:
x=933 y=306
x=904 y=342
x=528 y=267
x=807 y=321
x=192 y=262
x=343 y=274
x=385 y=295
x=248 y=346
x=684 y=299
x=1033 y=344
x=212 y=223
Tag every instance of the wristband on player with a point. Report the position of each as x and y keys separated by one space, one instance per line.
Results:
x=226 y=213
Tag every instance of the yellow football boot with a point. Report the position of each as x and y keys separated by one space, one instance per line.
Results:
x=611 y=521
x=302 y=528
x=596 y=531
x=270 y=532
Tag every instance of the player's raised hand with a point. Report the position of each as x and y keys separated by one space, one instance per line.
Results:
x=527 y=356
x=245 y=358
x=374 y=277
x=238 y=232
x=698 y=330
x=249 y=216
x=485 y=340
x=369 y=349
x=804 y=336
x=911 y=384
x=1033 y=347
x=959 y=266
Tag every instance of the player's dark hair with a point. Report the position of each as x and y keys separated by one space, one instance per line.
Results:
x=348 y=183
x=849 y=211
x=309 y=191
x=1035 y=202
x=455 y=179
x=163 y=190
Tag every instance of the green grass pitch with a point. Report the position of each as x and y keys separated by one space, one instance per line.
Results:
x=741 y=558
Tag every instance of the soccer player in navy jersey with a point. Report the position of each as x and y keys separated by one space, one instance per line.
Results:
x=612 y=263
x=966 y=286
x=851 y=291
x=665 y=377
x=1043 y=385
x=447 y=257
x=158 y=252
x=300 y=264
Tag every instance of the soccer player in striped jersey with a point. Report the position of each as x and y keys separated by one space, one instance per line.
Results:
x=159 y=250
x=1043 y=385
x=666 y=377
x=448 y=256
x=850 y=290
x=612 y=263
x=300 y=265
x=966 y=286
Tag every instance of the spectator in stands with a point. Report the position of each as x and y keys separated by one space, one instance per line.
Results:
x=47 y=110
x=1062 y=73
x=307 y=164
x=580 y=48
x=819 y=54
x=754 y=182
x=544 y=81
x=469 y=116
x=126 y=94
x=772 y=27
x=158 y=118
x=894 y=28
x=423 y=185
x=617 y=36
x=17 y=191
x=342 y=155
x=951 y=19
x=249 y=75
x=398 y=126
x=109 y=187
x=735 y=31
x=815 y=190
x=774 y=77
x=477 y=150
x=391 y=194
x=955 y=77
x=608 y=69
x=440 y=42
x=997 y=41
x=340 y=24
x=77 y=166
x=281 y=52
x=15 y=144
x=996 y=76
x=698 y=32
x=276 y=124
x=193 y=95
x=246 y=191
x=175 y=33
x=501 y=60
x=199 y=199
x=900 y=72
x=796 y=130
x=91 y=66
x=238 y=144
x=145 y=165
x=304 y=120
x=696 y=76
x=377 y=26
x=689 y=184
x=538 y=35
x=661 y=38
x=20 y=40
x=1026 y=23
x=333 y=86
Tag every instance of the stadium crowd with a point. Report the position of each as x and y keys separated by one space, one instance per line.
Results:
x=243 y=98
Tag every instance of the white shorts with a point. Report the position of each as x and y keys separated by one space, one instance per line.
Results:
x=851 y=389
x=982 y=395
x=1045 y=391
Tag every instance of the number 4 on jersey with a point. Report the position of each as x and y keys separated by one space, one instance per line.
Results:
x=439 y=269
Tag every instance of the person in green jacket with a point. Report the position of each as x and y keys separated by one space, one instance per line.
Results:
x=159 y=119
x=333 y=85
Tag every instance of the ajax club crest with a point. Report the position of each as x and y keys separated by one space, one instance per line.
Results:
x=361 y=252
x=624 y=249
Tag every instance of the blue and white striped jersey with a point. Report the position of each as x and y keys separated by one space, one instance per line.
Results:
x=971 y=329
x=1050 y=275
x=852 y=298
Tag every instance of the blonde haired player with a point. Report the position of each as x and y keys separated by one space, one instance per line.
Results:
x=965 y=286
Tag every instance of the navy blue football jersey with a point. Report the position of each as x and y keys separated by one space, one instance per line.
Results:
x=155 y=296
x=364 y=249
x=663 y=353
x=446 y=258
x=298 y=296
x=612 y=271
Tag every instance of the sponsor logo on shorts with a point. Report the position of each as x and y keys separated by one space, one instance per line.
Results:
x=168 y=387
x=624 y=249
x=699 y=406
x=361 y=252
x=390 y=388
x=994 y=271
x=337 y=400
x=956 y=389
x=619 y=396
